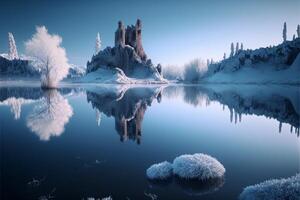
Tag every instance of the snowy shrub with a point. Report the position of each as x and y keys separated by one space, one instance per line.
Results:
x=194 y=70
x=198 y=166
x=160 y=171
x=52 y=57
x=275 y=189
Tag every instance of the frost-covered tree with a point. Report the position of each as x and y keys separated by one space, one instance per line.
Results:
x=224 y=56
x=232 y=50
x=237 y=48
x=98 y=44
x=194 y=70
x=284 y=32
x=242 y=47
x=13 y=53
x=298 y=31
x=46 y=48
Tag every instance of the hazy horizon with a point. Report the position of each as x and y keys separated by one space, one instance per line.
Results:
x=173 y=33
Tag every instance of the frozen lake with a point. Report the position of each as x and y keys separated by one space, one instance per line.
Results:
x=88 y=141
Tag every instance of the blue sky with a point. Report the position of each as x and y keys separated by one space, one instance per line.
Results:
x=174 y=32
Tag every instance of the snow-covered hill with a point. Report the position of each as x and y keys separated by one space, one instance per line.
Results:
x=279 y=64
x=28 y=67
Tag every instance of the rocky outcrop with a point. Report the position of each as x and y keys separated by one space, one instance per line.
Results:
x=127 y=54
x=16 y=67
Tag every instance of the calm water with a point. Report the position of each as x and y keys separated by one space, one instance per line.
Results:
x=98 y=141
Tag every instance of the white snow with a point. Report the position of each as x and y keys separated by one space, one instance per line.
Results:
x=117 y=76
x=198 y=166
x=275 y=189
x=160 y=171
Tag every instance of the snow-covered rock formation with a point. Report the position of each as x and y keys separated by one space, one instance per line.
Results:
x=126 y=104
x=275 y=189
x=263 y=65
x=160 y=171
x=198 y=166
x=128 y=55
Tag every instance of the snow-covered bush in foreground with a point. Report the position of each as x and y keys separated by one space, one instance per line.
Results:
x=46 y=48
x=275 y=189
x=198 y=166
x=160 y=171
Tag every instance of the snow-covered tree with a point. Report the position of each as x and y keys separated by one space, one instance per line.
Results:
x=294 y=36
x=242 y=47
x=232 y=50
x=211 y=61
x=224 y=56
x=284 y=32
x=98 y=44
x=237 y=48
x=298 y=31
x=46 y=48
x=13 y=53
x=194 y=70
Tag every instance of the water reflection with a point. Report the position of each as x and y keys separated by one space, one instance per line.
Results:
x=50 y=115
x=126 y=105
x=277 y=102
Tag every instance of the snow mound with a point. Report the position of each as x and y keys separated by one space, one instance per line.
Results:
x=275 y=189
x=160 y=171
x=117 y=76
x=198 y=166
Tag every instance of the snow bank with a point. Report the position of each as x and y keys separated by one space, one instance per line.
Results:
x=117 y=76
x=198 y=166
x=160 y=171
x=275 y=189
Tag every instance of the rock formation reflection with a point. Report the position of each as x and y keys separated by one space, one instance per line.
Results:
x=126 y=105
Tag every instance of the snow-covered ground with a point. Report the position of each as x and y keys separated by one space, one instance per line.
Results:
x=117 y=76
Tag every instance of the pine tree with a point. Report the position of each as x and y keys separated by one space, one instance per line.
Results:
x=98 y=44
x=242 y=46
x=232 y=50
x=224 y=56
x=298 y=31
x=284 y=32
x=294 y=36
x=237 y=48
x=13 y=53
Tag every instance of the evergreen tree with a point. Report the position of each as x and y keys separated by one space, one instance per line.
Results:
x=13 y=53
x=294 y=36
x=284 y=32
x=224 y=56
x=298 y=31
x=237 y=48
x=98 y=44
x=232 y=50
x=242 y=46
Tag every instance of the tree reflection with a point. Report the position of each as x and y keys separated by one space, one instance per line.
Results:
x=50 y=115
